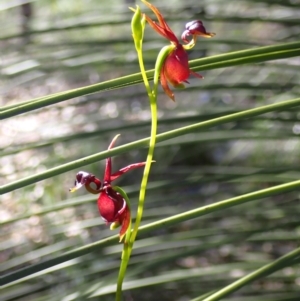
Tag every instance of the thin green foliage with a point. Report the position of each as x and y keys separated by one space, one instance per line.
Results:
x=161 y=224
x=239 y=146
x=250 y=56
x=144 y=142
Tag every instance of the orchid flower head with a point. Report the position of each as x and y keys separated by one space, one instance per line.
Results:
x=112 y=206
x=175 y=69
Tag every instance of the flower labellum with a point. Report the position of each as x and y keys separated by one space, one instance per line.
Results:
x=195 y=28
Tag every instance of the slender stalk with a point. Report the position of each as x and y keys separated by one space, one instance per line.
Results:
x=153 y=105
x=138 y=31
x=126 y=252
x=138 y=26
x=122 y=271
x=268 y=269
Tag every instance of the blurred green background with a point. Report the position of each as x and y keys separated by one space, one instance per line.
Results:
x=50 y=46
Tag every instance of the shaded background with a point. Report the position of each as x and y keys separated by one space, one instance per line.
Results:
x=53 y=46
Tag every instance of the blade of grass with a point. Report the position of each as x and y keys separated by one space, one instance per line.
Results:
x=260 y=54
x=16 y=275
x=267 y=269
x=144 y=143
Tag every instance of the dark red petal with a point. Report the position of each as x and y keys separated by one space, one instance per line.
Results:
x=176 y=70
x=196 y=74
x=111 y=205
x=125 y=221
x=125 y=169
x=157 y=13
x=164 y=83
x=162 y=28
x=107 y=172
x=176 y=66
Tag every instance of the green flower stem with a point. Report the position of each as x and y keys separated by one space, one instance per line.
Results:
x=126 y=251
x=14 y=277
x=268 y=269
x=153 y=105
x=255 y=55
x=138 y=25
x=144 y=143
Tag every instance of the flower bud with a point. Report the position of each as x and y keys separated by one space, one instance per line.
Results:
x=137 y=26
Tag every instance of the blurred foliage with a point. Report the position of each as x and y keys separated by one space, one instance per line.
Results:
x=53 y=46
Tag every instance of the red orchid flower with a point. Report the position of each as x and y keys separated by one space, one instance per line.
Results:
x=175 y=69
x=111 y=204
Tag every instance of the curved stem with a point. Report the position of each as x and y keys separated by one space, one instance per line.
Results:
x=138 y=32
x=128 y=245
x=126 y=252
x=153 y=105
x=152 y=94
x=147 y=168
